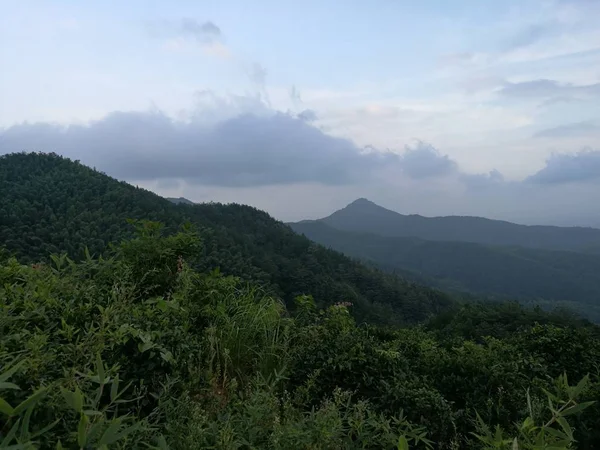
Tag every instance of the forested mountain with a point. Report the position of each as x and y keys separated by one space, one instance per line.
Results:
x=50 y=204
x=365 y=216
x=546 y=276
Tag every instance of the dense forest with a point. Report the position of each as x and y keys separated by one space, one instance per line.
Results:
x=548 y=277
x=50 y=204
x=117 y=331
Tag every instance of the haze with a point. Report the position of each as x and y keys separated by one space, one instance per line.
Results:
x=298 y=108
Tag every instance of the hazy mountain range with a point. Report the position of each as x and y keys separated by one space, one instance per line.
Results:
x=478 y=255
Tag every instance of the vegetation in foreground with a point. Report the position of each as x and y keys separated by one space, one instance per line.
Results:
x=138 y=350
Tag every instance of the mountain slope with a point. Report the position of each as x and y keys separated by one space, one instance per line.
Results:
x=363 y=215
x=50 y=204
x=516 y=272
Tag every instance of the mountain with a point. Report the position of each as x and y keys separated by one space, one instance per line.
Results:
x=365 y=216
x=515 y=272
x=50 y=204
x=180 y=200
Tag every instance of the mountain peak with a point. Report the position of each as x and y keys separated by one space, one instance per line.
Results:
x=364 y=216
x=362 y=201
x=365 y=206
x=359 y=210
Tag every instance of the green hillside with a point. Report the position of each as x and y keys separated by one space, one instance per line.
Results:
x=365 y=216
x=50 y=204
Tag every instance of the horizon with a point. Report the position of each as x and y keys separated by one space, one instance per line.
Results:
x=402 y=214
x=432 y=109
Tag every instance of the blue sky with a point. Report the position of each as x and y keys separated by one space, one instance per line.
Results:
x=501 y=93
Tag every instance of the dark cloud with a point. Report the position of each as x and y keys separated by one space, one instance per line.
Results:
x=546 y=89
x=566 y=168
x=308 y=115
x=242 y=151
x=206 y=32
x=424 y=161
x=571 y=130
x=246 y=150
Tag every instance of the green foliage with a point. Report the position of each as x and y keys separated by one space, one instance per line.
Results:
x=99 y=424
x=137 y=347
x=546 y=429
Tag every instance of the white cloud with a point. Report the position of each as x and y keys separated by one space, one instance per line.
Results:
x=181 y=45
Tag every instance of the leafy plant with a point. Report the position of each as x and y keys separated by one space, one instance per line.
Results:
x=551 y=429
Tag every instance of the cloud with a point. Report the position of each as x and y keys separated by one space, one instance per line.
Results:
x=258 y=76
x=532 y=34
x=202 y=32
x=210 y=108
x=568 y=168
x=459 y=58
x=245 y=150
x=308 y=115
x=188 y=34
x=206 y=32
x=482 y=180
x=475 y=84
x=547 y=89
x=571 y=130
x=295 y=96
x=534 y=88
x=554 y=101
x=233 y=142
x=425 y=161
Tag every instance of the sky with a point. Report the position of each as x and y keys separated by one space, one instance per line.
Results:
x=469 y=107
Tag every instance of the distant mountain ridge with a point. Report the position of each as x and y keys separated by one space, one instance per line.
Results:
x=362 y=215
x=180 y=201
x=450 y=258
